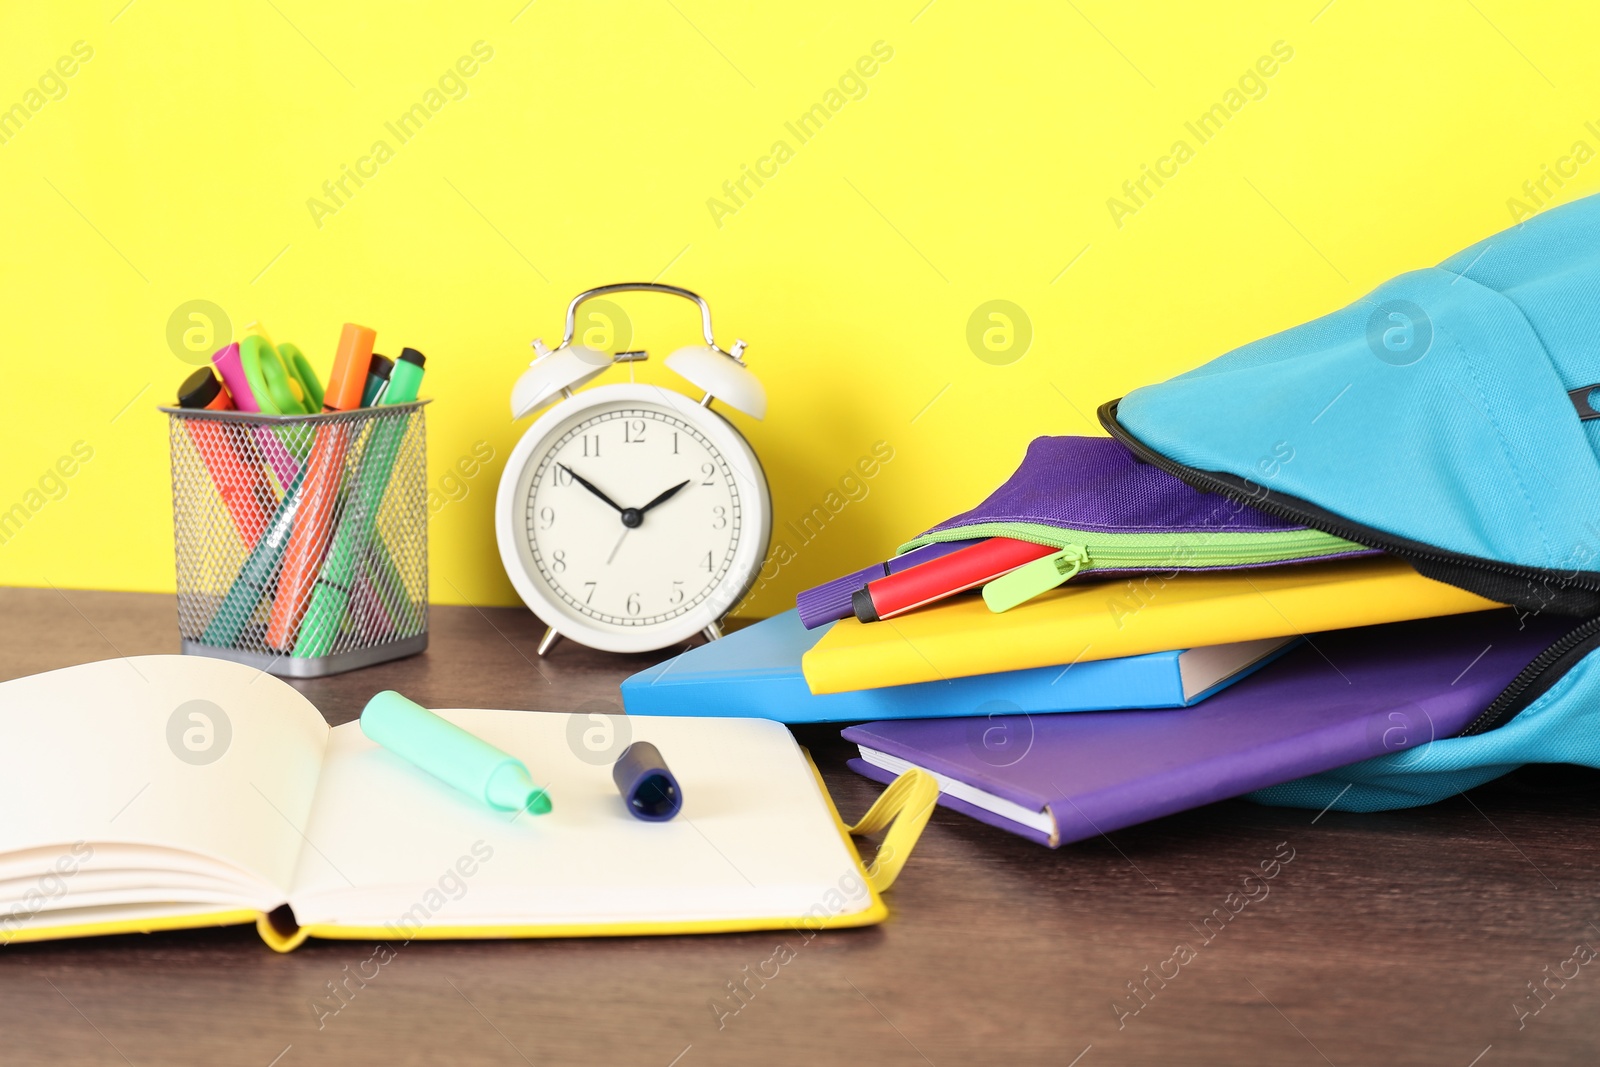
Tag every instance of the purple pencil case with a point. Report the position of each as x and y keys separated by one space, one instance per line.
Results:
x=1106 y=512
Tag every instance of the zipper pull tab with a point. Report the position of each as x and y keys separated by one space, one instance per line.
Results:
x=1031 y=579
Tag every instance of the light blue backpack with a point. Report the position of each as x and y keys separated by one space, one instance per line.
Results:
x=1445 y=418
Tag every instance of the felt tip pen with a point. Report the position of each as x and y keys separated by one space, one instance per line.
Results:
x=451 y=754
x=235 y=480
x=377 y=378
x=227 y=363
x=314 y=520
x=830 y=601
x=330 y=597
x=255 y=577
x=230 y=365
x=229 y=457
x=201 y=391
x=943 y=577
x=351 y=362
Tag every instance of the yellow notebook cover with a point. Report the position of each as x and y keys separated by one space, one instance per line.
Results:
x=169 y=792
x=1107 y=620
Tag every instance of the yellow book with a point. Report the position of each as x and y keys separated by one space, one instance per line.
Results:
x=1107 y=620
x=170 y=792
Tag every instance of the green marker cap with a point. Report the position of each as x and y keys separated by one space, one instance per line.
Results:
x=405 y=380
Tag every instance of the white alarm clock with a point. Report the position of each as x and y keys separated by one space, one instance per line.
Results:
x=631 y=517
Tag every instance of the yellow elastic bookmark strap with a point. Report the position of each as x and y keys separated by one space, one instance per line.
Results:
x=908 y=803
x=279 y=930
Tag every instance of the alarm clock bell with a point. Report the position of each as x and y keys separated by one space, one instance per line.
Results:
x=721 y=375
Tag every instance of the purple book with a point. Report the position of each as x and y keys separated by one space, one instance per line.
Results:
x=1348 y=695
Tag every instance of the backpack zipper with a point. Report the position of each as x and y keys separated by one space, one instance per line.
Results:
x=1565 y=593
x=1532 y=682
x=1536 y=679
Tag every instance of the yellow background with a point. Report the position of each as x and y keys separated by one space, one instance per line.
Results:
x=977 y=166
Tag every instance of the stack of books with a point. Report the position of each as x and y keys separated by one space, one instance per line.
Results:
x=1121 y=695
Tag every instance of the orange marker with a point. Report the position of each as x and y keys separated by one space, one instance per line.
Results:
x=350 y=364
x=313 y=521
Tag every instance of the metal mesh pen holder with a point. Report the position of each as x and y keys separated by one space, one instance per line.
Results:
x=302 y=541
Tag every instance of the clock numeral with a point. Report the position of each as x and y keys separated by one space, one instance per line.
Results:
x=707 y=563
x=547 y=515
x=590 y=586
x=632 y=432
x=633 y=603
x=558 y=560
x=710 y=471
x=674 y=442
x=677 y=591
x=586 y=439
x=721 y=520
x=560 y=476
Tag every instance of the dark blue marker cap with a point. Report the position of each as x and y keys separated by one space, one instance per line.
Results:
x=647 y=786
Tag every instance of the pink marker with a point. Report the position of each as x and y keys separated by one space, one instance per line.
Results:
x=283 y=462
x=227 y=361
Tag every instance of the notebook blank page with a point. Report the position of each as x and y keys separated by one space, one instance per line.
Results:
x=109 y=754
x=391 y=846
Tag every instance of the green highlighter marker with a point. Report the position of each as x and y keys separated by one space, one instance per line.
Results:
x=254 y=579
x=331 y=595
x=451 y=754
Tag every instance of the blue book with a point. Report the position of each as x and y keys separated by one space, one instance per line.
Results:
x=755 y=673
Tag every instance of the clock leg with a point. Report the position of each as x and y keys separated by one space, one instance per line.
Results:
x=712 y=632
x=547 y=642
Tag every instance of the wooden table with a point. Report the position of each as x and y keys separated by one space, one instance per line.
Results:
x=1404 y=938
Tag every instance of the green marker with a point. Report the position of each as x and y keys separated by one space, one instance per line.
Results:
x=379 y=567
x=451 y=754
x=331 y=596
x=377 y=379
x=254 y=579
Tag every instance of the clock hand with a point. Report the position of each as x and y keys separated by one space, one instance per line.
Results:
x=664 y=497
x=618 y=545
x=587 y=484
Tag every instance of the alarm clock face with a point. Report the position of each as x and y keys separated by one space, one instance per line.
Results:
x=630 y=517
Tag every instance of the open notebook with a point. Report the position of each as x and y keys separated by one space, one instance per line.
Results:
x=165 y=792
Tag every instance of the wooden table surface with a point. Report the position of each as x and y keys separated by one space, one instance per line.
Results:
x=1403 y=938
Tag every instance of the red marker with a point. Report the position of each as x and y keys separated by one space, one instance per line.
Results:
x=228 y=456
x=936 y=579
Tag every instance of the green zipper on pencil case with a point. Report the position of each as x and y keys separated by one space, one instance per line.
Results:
x=1083 y=551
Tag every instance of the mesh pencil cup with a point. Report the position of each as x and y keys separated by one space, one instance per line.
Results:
x=302 y=540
